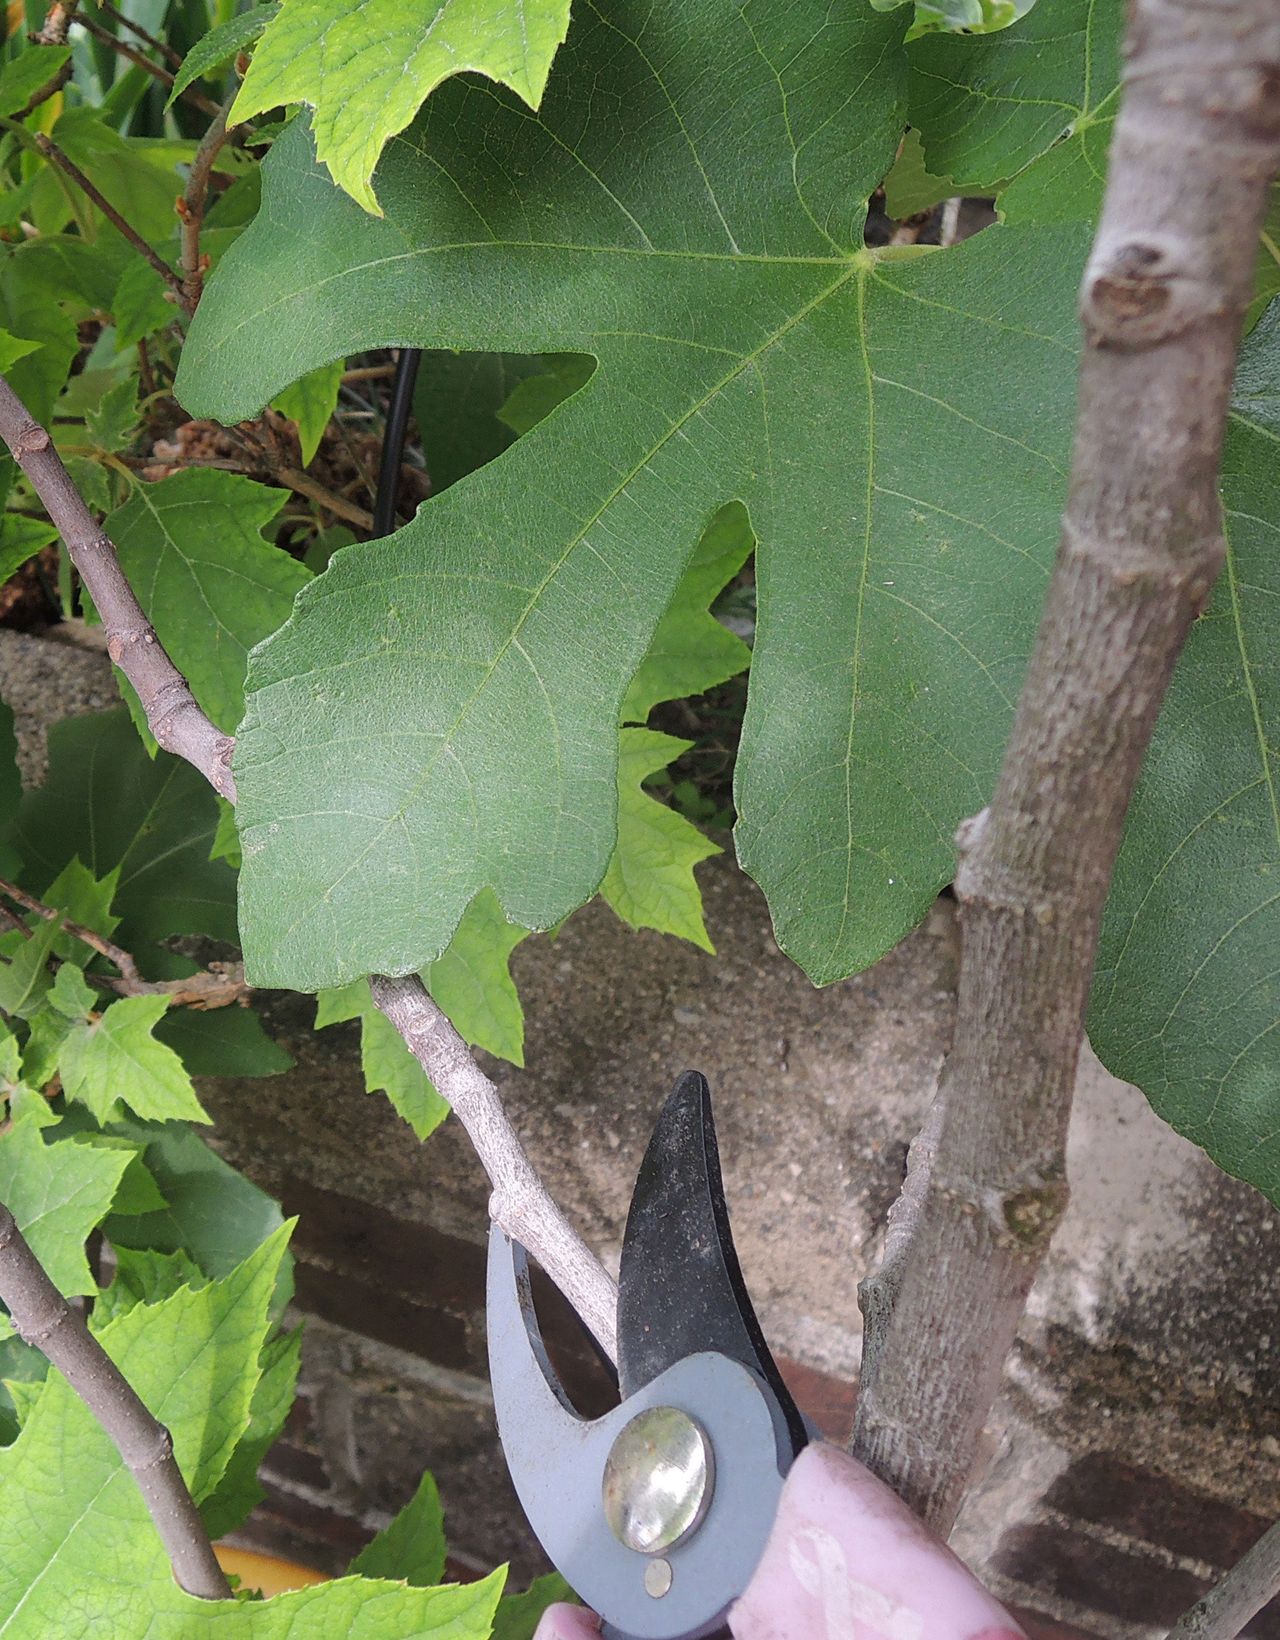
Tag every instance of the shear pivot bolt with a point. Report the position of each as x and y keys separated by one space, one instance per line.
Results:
x=658 y=1480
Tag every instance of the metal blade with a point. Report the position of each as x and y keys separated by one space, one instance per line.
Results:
x=680 y=1288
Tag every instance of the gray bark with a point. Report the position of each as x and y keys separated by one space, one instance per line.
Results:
x=1196 y=143
x=1242 y=1594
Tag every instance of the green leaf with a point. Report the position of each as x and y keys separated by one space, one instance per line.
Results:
x=190 y=1358
x=472 y=980
x=140 y=306
x=387 y=1064
x=690 y=651
x=144 y=1277
x=193 y=550
x=910 y=189
x=650 y=881
x=58 y=1193
x=238 y=1492
x=533 y=399
x=20 y=540
x=138 y=1192
x=28 y=314
x=219 y=44
x=107 y=802
x=22 y=76
x=458 y=404
x=366 y=66
x=113 y=423
x=412 y=1547
x=754 y=261
x=222 y=1042
x=24 y=976
x=310 y=402
x=518 y=1614
x=114 y=1059
x=84 y=899
x=1186 y=995
x=214 y=1213
x=987 y=106
x=22 y=1373
x=13 y=348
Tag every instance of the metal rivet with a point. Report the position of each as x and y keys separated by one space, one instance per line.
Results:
x=657 y=1578
x=658 y=1480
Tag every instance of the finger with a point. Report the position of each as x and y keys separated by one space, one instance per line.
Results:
x=567 y=1623
x=846 y=1557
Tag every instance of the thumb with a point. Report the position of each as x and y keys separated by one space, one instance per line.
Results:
x=847 y=1557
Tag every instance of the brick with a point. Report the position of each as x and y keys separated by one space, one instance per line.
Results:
x=1069 y=1566
x=1154 y=1508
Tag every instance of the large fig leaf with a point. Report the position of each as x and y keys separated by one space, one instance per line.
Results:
x=440 y=713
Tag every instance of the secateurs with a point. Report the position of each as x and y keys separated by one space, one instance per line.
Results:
x=658 y=1512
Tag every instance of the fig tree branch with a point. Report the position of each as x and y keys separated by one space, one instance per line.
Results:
x=520 y=1203
x=1196 y=143
x=46 y=1321
x=1250 y=1584
x=191 y=206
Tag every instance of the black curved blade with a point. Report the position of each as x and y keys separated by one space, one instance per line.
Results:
x=680 y=1287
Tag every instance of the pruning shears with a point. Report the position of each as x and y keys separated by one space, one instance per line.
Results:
x=658 y=1512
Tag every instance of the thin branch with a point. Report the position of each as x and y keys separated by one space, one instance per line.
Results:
x=68 y=166
x=119 y=18
x=50 y=88
x=1243 y=1592
x=123 y=49
x=172 y=713
x=520 y=1204
x=45 y=1320
x=304 y=484
x=1196 y=142
x=217 y=986
x=191 y=206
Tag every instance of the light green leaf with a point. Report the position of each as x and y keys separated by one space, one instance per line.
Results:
x=910 y=189
x=412 y=1548
x=472 y=980
x=28 y=314
x=1187 y=998
x=22 y=76
x=138 y=1192
x=191 y=1359
x=58 y=1193
x=226 y=840
x=144 y=1277
x=502 y=771
x=310 y=402
x=108 y=803
x=518 y=1614
x=115 y=1059
x=387 y=1064
x=193 y=550
x=69 y=995
x=113 y=423
x=690 y=651
x=84 y=899
x=238 y=1492
x=366 y=66
x=219 y=44
x=650 y=881
x=13 y=348
x=458 y=404
x=214 y=1213
x=20 y=540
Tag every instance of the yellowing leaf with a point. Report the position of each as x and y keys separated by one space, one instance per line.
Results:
x=366 y=66
x=650 y=882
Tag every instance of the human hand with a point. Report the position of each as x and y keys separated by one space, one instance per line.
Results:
x=846 y=1560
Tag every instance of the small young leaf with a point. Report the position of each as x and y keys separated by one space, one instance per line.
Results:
x=144 y=1277
x=650 y=881
x=219 y=44
x=310 y=402
x=24 y=976
x=412 y=1547
x=13 y=348
x=192 y=546
x=116 y=1060
x=472 y=980
x=387 y=1064
x=366 y=66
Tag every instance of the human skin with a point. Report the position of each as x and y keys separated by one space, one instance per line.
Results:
x=846 y=1560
